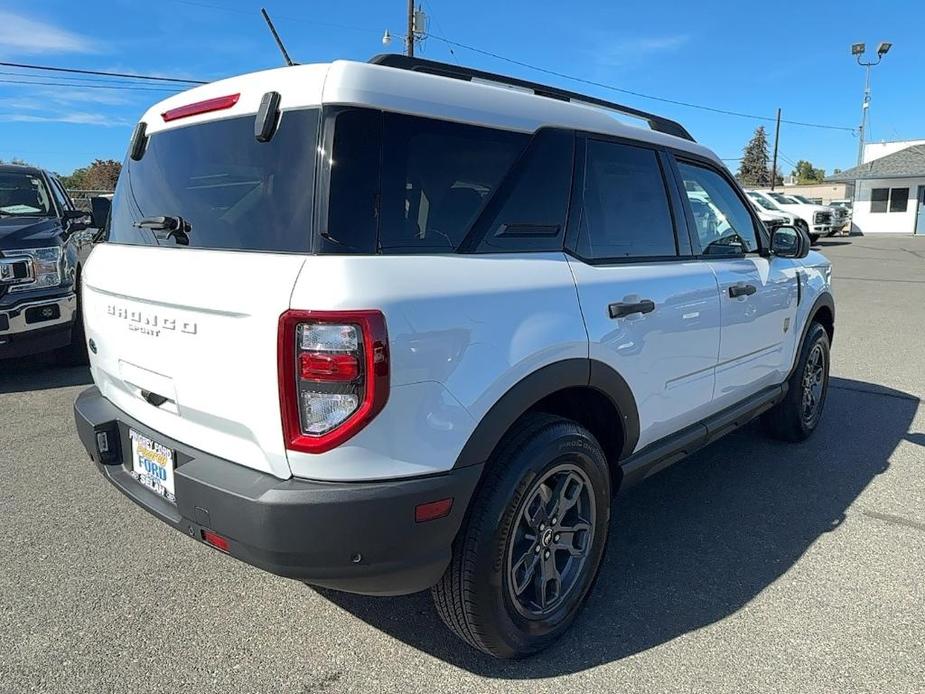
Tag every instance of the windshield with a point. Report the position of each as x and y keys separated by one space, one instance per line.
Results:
x=800 y=198
x=783 y=199
x=231 y=191
x=24 y=195
x=761 y=200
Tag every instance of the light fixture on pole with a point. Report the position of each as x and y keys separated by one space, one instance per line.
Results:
x=857 y=50
x=417 y=29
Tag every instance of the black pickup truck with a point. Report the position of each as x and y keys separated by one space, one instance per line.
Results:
x=44 y=241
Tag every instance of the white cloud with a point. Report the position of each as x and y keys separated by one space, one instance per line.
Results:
x=66 y=95
x=27 y=103
x=635 y=50
x=74 y=117
x=20 y=35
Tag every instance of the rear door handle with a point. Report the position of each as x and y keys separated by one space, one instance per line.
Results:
x=623 y=309
x=741 y=289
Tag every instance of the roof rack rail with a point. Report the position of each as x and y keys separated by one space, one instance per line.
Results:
x=432 y=67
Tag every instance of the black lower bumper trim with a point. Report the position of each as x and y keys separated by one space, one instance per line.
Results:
x=35 y=341
x=359 y=537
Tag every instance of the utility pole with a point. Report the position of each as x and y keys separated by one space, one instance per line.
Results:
x=409 y=43
x=417 y=29
x=776 y=138
x=857 y=50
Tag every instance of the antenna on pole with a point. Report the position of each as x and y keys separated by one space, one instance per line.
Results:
x=279 y=41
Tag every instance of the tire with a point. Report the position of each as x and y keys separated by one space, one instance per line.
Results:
x=790 y=419
x=487 y=596
x=813 y=238
x=75 y=354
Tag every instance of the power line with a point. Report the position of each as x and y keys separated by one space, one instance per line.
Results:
x=440 y=28
x=90 y=86
x=448 y=42
x=633 y=93
x=101 y=72
x=76 y=81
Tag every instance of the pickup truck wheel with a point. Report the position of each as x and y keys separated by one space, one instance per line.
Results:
x=530 y=549
x=75 y=354
x=798 y=414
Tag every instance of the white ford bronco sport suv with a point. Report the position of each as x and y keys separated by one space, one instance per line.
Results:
x=399 y=325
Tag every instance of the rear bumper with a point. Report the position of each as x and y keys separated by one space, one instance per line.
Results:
x=356 y=537
x=36 y=325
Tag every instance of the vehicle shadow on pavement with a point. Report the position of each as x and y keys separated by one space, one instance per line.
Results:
x=39 y=373
x=697 y=542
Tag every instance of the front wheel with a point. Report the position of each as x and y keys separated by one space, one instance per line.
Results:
x=75 y=354
x=796 y=416
x=532 y=544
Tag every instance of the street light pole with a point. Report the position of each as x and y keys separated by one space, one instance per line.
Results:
x=864 y=106
x=857 y=50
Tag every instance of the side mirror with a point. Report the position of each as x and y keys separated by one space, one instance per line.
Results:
x=789 y=242
x=70 y=215
x=101 y=207
x=75 y=220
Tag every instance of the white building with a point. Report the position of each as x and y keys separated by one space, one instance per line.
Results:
x=889 y=194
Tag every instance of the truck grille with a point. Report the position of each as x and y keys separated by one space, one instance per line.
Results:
x=822 y=218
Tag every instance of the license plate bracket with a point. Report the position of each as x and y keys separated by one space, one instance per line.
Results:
x=153 y=466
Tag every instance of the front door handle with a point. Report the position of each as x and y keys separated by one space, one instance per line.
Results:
x=622 y=309
x=741 y=289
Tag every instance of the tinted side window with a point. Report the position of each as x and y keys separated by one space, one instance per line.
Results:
x=353 y=223
x=59 y=195
x=528 y=212
x=625 y=210
x=723 y=222
x=67 y=196
x=436 y=178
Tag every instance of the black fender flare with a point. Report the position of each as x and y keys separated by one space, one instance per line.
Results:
x=523 y=395
x=824 y=299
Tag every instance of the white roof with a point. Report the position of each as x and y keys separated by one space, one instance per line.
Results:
x=349 y=83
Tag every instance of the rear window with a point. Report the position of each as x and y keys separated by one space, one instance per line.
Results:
x=404 y=184
x=234 y=192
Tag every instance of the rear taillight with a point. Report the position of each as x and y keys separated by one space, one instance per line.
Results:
x=333 y=375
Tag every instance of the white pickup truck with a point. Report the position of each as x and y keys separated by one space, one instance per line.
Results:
x=819 y=219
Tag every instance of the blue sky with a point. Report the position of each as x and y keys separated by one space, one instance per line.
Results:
x=794 y=55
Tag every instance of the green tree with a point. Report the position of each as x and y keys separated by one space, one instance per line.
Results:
x=100 y=175
x=754 y=171
x=804 y=172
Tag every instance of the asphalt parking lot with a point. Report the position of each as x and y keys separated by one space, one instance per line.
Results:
x=751 y=566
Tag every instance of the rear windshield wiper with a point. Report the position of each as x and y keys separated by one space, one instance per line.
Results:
x=176 y=227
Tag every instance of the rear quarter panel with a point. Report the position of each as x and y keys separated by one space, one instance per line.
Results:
x=463 y=329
